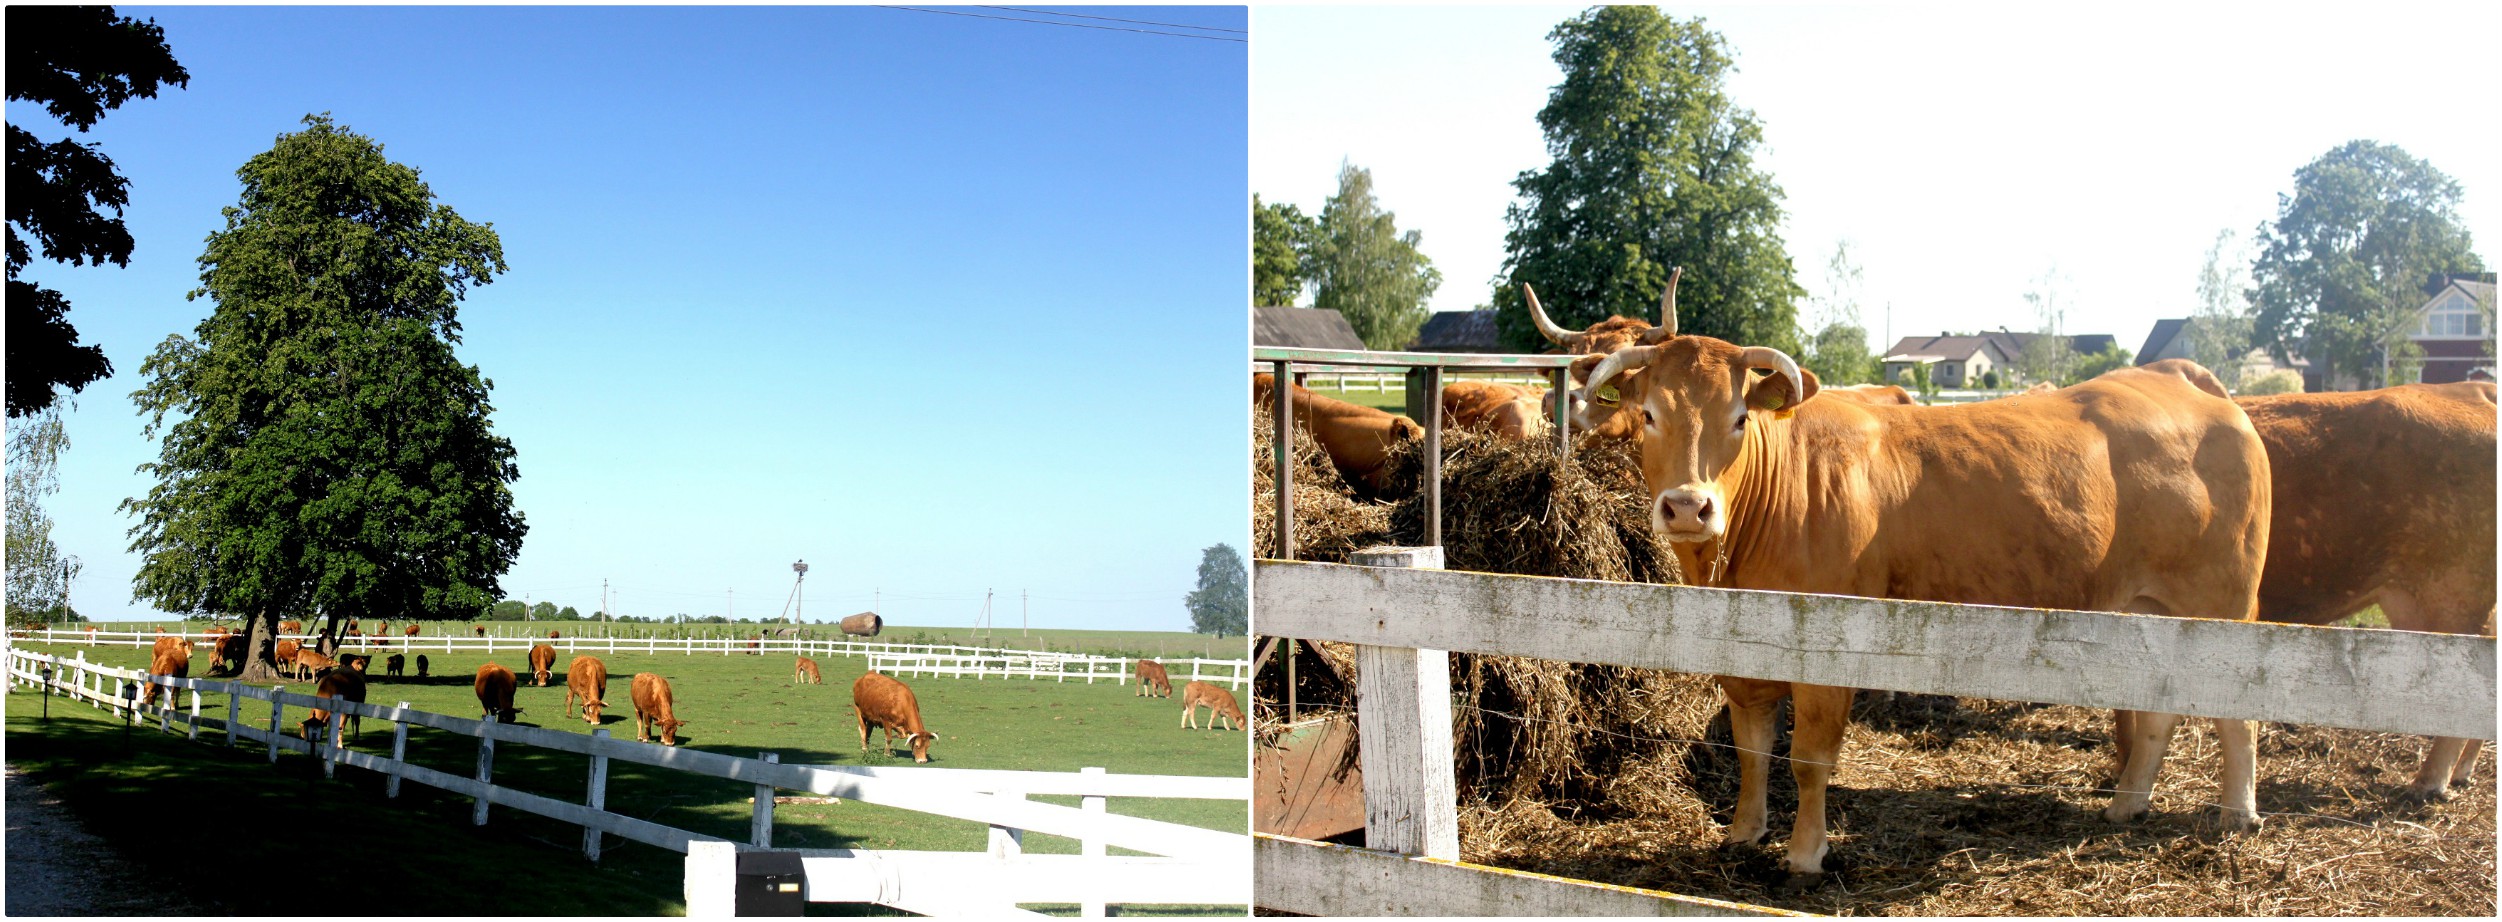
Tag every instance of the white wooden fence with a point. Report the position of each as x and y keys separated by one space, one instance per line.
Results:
x=1186 y=864
x=1406 y=615
x=914 y=658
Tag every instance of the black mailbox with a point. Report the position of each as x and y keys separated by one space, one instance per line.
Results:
x=771 y=884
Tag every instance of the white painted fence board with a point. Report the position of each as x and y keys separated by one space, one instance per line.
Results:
x=840 y=875
x=2378 y=680
x=1050 y=819
x=1319 y=879
x=1060 y=783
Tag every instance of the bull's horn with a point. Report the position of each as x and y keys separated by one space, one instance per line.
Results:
x=1554 y=334
x=1778 y=361
x=1668 y=303
x=1624 y=359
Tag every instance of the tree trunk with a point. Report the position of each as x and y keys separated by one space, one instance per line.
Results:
x=260 y=644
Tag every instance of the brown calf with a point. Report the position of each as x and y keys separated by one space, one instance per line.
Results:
x=172 y=656
x=654 y=707
x=411 y=632
x=808 y=672
x=342 y=684
x=310 y=662
x=542 y=662
x=1219 y=701
x=881 y=701
x=587 y=679
x=494 y=686
x=1152 y=680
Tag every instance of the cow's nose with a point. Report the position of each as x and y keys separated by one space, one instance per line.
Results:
x=1686 y=507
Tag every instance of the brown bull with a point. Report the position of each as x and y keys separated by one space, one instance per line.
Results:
x=1357 y=438
x=1757 y=484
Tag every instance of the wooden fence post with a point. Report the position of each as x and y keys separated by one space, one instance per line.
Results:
x=194 y=733
x=760 y=825
x=234 y=712
x=1006 y=842
x=486 y=769
x=1403 y=699
x=399 y=753
x=277 y=712
x=711 y=879
x=330 y=757
x=1091 y=847
x=597 y=798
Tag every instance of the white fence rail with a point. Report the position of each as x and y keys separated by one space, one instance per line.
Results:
x=1195 y=865
x=2374 y=680
x=916 y=658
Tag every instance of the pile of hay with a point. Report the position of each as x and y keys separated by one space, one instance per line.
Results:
x=1330 y=522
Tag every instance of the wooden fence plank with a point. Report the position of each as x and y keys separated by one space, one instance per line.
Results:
x=1410 y=800
x=1319 y=879
x=2378 y=680
x=842 y=875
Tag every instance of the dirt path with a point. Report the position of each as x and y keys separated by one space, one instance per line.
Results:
x=57 y=868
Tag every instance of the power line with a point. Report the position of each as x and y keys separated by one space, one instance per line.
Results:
x=1143 y=22
x=1073 y=25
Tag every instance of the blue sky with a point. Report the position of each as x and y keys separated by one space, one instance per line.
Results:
x=939 y=304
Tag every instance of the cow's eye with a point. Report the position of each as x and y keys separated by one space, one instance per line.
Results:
x=1741 y=425
x=1646 y=416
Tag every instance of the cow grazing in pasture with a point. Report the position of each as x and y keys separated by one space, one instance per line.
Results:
x=654 y=708
x=229 y=653
x=310 y=662
x=807 y=672
x=478 y=629
x=551 y=635
x=1507 y=410
x=172 y=657
x=882 y=702
x=2384 y=497
x=587 y=679
x=2161 y=507
x=381 y=628
x=395 y=664
x=341 y=684
x=1357 y=438
x=542 y=662
x=421 y=665
x=411 y=632
x=1152 y=680
x=356 y=661
x=494 y=687
x=1220 y=705
x=285 y=654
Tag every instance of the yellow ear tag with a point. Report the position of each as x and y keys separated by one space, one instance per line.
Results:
x=1608 y=396
x=1780 y=407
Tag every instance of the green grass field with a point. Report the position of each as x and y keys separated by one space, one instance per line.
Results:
x=736 y=705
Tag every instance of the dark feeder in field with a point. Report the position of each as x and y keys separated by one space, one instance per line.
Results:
x=130 y=711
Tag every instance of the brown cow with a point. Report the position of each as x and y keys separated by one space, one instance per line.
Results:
x=478 y=629
x=587 y=679
x=310 y=662
x=1508 y=410
x=1220 y=704
x=494 y=686
x=285 y=654
x=228 y=653
x=411 y=632
x=395 y=665
x=2161 y=507
x=551 y=635
x=381 y=628
x=421 y=665
x=291 y=627
x=170 y=657
x=356 y=661
x=342 y=684
x=654 y=707
x=2385 y=498
x=878 y=700
x=1357 y=438
x=1152 y=680
x=807 y=672
x=1882 y=395
x=542 y=662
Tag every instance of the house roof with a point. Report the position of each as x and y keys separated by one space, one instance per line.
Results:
x=1302 y=328
x=2160 y=337
x=1457 y=331
x=1943 y=349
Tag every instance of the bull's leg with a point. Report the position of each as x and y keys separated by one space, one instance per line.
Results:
x=2449 y=606
x=2149 y=734
x=1752 y=705
x=2123 y=732
x=2239 y=787
x=1818 y=715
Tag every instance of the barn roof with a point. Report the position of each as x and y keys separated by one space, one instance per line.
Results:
x=1302 y=328
x=1457 y=331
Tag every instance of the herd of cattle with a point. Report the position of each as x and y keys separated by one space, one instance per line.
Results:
x=2147 y=490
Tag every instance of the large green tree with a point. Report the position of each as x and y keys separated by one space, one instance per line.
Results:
x=38 y=573
x=1222 y=603
x=2344 y=264
x=1836 y=343
x=77 y=62
x=1280 y=237
x=1363 y=267
x=2218 y=334
x=1653 y=169
x=324 y=451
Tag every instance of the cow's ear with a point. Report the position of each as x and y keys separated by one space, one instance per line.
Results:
x=1772 y=392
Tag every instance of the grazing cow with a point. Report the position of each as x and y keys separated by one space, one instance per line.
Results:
x=755 y=645
x=2143 y=490
x=494 y=686
x=229 y=653
x=310 y=662
x=1220 y=704
x=807 y=672
x=1357 y=438
x=291 y=627
x=394 y=665
x=171 y=656
x=285 y=653
x=2386 y=498
x=1508 y=410
x=341 y=684
x=421 y=665
x=551 y=635
x=542 y=662
x=355 y=661
x=882 y=702
x=1152 y=680
x=587 y=679
x=411 y=632
x=654 y=708
x=382 y=628
x=478 y=629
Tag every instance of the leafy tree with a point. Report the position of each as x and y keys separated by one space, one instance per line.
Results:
x=38 y=573
x=1653 y=168
x=544 y=611
x=2087 y=367
x=1361 y=266
x=324 y=451
x=1222 y=603
x=77 y=62
x=510 y=610
x=2280 y=381
x=2344 y=263
x=2047 y=357
x=1281 y=238
x=1989 y=379
x=1837 y=349
x=568 y=614
x=2219 y=333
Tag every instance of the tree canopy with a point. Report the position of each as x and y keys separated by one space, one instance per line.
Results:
x=2342 y=268
x=77 y=62
x=2218 y=334
x=324 y=451
x=1363 y=267
x=1281 y=235
x=1222 y=603
x=1653 y=169
x=38 y=573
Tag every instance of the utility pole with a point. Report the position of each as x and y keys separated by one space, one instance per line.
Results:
x=1022 y=612
x=606 y=613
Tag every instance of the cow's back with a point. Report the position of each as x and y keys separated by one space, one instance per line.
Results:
x=2379 y=488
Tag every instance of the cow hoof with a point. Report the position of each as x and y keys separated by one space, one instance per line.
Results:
x=2413 y=794
x=1798 y=883
x=2122 y=815
x=1734 y=839
x=2233 y=822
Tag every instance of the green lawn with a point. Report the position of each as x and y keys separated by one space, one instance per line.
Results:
x=737 y=705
